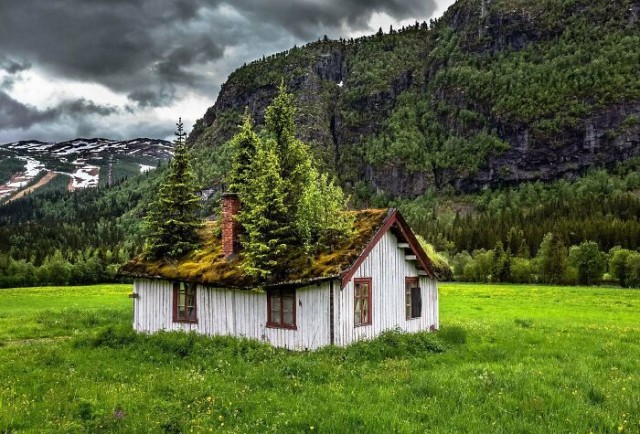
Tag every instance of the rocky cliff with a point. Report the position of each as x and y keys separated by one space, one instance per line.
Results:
x=494 y=93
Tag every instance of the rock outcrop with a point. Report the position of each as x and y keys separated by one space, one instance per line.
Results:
x=347 y=90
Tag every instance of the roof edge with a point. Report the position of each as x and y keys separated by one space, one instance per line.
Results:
x=291 y=283
x=394 y=217
x=415 y=245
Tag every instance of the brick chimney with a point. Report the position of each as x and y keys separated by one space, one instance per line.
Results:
x=230 y=227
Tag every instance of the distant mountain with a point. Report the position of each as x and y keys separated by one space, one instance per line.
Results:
x=495 y=93
x=80 y=163
x=141 y=147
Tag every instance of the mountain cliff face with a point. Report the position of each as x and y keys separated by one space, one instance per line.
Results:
x=494 y=93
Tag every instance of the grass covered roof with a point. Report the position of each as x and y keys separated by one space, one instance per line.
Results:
x=208 y=266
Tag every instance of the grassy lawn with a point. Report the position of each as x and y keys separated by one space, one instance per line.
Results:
x=507 y=359
x=37 y=313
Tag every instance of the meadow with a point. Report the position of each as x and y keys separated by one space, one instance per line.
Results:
x=508 y=358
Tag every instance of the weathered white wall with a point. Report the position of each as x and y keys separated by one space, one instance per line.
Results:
x=244 y=313
x=236 y=312
x=387 y=267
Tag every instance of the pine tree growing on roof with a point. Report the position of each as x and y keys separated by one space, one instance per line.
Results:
x=243 y=147
x=172 y=223
x=288 y=208
x=263 y=215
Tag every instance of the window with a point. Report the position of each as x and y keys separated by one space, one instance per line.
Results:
x=412 y=298
x=362 y=301
x=281 y=308
x=184 y=302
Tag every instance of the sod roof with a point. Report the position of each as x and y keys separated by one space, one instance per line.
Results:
x=208 y=266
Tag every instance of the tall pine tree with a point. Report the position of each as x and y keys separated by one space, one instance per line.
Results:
x=263 y=215
x=288 y=208
x=293 y=154
x=552 y=256
x=172 y=223
x=243 y=147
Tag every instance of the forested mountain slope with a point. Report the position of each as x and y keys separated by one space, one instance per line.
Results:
x=494 y=93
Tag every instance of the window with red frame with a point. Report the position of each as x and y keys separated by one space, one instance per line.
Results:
x=281 y=308
x=412 y=298
x=362 y=301
x=184 y=302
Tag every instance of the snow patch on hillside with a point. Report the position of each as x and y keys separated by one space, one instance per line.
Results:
x=32 y=168
x=145 y=168
x=85 y=176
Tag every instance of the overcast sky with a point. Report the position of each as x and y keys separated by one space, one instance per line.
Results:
x=129 y=68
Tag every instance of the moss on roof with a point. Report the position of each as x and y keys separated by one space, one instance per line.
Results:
x=208 y=266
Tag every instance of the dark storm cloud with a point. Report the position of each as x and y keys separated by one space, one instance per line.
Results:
x=118 y=43
x=150 y=98
x=82 y=107
x=306 y=18
x=157 y=51
x=7 y=83
x=14 y=114
x=105 y=41
x=12 y=66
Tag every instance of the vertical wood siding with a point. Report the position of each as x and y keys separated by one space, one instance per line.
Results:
x=244 y=313
x=387 y=267
x=236 y=312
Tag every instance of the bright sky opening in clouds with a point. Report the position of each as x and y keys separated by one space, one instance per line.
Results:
x=130 y=68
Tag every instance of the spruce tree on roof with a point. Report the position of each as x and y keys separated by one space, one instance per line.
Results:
x=172 y=223
x=288 y=208
x=243 y=147
x=263 y=215
x=293 y=155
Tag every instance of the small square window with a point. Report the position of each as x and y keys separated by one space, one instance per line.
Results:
x=362 y=302
x=281 y=308
x=412 y=298
x=184 y=302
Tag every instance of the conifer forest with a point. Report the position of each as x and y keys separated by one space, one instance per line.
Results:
x=506 y=132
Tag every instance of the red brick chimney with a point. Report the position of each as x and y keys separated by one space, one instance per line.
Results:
x=230 y=227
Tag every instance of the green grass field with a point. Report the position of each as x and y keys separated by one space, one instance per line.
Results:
x=509 y=359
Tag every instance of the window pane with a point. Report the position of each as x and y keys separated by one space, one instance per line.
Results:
x=276 y=306
x=288 y=317
x=361 y=303
x=287 y=309
x=282 y=307
x=275 y=303
x=416 y=302
x=182 y=300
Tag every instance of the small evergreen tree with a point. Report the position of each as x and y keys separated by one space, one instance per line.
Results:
x=243 y=148
x=552 y=257
x=293 y=155
x=501 y=267
x=618 y=264
x=319 y=220
x=172 y=224
x=263 y=215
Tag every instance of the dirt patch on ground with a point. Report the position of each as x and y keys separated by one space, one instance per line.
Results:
x=43 y=181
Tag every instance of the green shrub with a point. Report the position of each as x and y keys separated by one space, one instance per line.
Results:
x=453 y=335
x=393 y=344
x=111 y=337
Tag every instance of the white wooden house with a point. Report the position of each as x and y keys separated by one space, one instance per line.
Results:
x=380 y=279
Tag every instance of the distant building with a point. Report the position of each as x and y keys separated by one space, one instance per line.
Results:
x=379 y=279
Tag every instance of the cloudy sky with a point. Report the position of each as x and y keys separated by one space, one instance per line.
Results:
x=129 y=68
